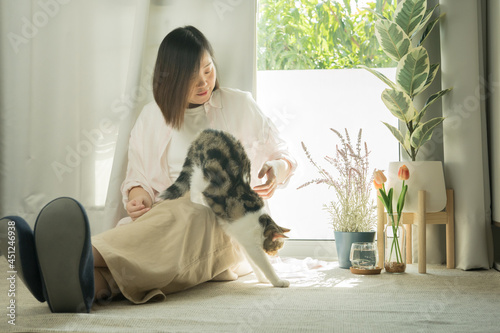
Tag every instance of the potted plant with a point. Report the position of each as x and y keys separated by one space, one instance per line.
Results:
x=401 y=39
x=352 y=213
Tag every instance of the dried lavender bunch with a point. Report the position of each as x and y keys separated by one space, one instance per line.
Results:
x=354 y=209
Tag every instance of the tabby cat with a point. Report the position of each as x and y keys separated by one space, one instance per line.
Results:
x=216 y=171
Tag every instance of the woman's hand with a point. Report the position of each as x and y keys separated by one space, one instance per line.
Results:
x=276 y=171
x=267 y=189
x=139 y=202
x=136 y=208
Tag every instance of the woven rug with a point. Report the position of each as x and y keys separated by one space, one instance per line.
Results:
x=322 y=298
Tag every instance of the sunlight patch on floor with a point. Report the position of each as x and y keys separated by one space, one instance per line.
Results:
x=307 y=272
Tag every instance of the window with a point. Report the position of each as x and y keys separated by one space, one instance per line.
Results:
x=307 y=83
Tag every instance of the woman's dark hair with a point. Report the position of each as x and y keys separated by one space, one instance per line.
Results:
x=178 y=60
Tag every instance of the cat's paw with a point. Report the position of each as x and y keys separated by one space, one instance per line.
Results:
x=281 y=284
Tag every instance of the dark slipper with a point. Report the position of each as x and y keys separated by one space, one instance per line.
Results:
x=18 y=247
x=62 y=240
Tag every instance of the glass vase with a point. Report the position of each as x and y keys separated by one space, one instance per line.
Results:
x=395 y=245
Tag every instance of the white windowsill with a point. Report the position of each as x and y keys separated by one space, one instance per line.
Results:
x=316 y=249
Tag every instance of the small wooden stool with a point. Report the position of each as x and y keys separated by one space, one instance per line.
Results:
x=421 y=218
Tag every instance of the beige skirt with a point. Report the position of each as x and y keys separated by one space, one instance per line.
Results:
x=176 y=245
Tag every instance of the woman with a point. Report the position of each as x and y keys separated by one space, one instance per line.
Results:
x=174 y=245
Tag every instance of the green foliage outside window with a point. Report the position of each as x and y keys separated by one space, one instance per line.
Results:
x=316 y=34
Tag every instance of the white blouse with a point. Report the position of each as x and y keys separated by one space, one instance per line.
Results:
x=195 y=121
x=229 y=110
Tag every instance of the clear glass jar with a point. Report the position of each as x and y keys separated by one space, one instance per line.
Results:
x=395 y=245
x=363 y=255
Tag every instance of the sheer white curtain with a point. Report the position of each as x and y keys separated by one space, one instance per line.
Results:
x=74 y=76
x=465 y=129
x=63 y=65
x=493 y=25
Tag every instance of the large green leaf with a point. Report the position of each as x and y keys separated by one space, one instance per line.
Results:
x=397 y=134
x=424 y=21
x=407 y=145
x=399 y=103
x=429 y=28
x=393 y=40
x=429 y=102
x=432 y=74
x=380 y=76
x=423 y=132
x=409 y=14
x=412 y=71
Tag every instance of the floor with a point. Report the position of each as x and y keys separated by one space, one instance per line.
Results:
x=322 y=298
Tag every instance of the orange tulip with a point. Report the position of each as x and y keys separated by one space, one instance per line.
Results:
x=403 y=173
x=379 y=177
x=377 y=185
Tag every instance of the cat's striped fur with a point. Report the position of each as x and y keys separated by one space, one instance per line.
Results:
x=216 y=172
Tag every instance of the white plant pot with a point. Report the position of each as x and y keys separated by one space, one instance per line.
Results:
x=424 y=175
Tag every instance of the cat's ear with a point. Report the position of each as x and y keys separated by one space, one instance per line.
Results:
x=285 y=230
x=277 y=235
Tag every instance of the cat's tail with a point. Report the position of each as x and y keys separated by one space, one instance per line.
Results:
x=177 y=189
